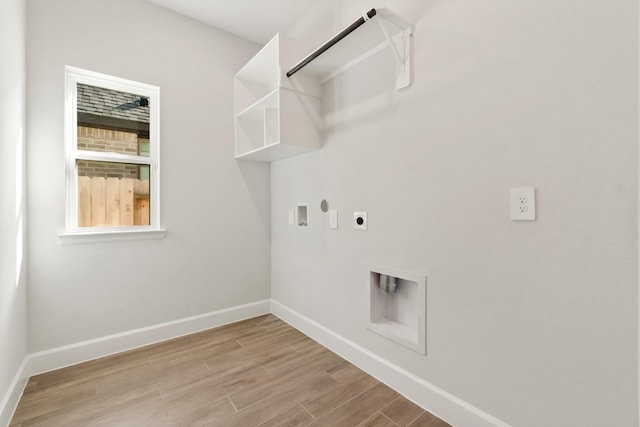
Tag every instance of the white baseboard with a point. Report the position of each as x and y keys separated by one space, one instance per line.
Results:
x=60 y=357
x=14 y=392
x=68 y=355
x=439 y=402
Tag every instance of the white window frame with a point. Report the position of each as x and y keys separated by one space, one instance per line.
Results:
x=73 y=233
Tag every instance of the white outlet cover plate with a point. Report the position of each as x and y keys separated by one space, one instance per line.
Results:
x=291 y=217
x=362 y=215
x=333 y=219
x=522 y=202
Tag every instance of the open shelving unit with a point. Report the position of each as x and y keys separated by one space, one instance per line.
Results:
x=278 y=114
x=273 y=120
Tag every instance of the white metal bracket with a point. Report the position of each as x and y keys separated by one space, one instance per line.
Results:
x=401 y=46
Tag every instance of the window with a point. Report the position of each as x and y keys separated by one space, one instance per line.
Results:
x=112 y=150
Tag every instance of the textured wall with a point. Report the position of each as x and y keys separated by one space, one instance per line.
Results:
x=13 y=302
x=216 y=251
x=532 y=322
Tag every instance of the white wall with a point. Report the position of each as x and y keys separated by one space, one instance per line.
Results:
x=13 y=305
x=216 y=210
x=533 y=322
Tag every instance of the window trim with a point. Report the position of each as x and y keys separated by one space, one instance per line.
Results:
x=73 y=76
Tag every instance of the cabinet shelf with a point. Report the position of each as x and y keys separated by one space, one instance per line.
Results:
x=277 y=114
x=258 y=78
x=273 y=120
x=267 y=101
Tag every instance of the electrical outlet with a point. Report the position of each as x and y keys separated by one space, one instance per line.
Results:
x=360 y=220
x=523 y=203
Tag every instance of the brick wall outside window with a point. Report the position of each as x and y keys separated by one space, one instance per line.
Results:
x=95 y=139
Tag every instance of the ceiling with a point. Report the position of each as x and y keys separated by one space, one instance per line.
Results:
x=255 y=20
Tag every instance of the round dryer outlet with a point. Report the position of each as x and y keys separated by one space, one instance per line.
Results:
x=360 y=220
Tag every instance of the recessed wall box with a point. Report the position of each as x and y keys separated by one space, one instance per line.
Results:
x=397 y=306
x=302 y=215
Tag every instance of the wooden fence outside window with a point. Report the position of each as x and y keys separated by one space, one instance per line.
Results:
x=112 y=202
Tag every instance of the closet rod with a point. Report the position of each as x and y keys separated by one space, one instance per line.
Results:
x=342 y=34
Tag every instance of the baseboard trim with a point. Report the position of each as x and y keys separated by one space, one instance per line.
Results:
x=434 y=399
x=72 y=354
x=11 y=398
x=429 y=396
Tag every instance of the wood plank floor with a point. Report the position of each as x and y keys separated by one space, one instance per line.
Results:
x=258 y=372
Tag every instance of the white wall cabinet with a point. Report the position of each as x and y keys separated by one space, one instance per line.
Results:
x=278 y=116
x=275 y=116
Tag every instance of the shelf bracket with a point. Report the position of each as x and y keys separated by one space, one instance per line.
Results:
x=401 y=48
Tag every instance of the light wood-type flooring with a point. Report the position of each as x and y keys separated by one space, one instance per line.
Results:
x=258 y=372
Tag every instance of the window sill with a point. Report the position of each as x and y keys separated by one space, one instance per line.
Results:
x=109 y=235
